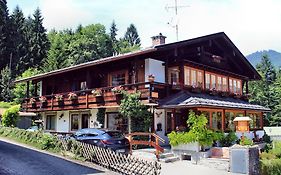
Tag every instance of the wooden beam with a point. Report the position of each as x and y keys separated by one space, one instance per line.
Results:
x=261 y=120
x=27 y=89
x=223 y=120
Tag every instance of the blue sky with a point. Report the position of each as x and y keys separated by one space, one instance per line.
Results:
x=251 y=24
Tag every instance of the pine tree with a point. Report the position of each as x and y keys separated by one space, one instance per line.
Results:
x=20 y=59
x=132 y=35
x=6 y=85
x=39 y=44
x=113 y=34
x=263 y=92
x=5 y=48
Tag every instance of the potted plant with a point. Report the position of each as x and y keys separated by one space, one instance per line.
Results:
x=213 y=91
x=73 y=97
x=197 y=138
x=238 y=96
x=97 y=92
x=197 y=88
x=151 y=78
x=59 y=99
x=32 y=101
x=43 y=101
x=118 y=90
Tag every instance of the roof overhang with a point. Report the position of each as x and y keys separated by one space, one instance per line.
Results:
x=193 y=100
x=88 y=64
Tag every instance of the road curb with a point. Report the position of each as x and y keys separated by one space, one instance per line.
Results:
x=83 y=163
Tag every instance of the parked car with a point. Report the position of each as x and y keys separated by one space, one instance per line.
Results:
x=111 y=139
x=33 y=128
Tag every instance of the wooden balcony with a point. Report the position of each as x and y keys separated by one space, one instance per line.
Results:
x=86 y=99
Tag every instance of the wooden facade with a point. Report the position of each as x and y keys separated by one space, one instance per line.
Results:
x=209 y=65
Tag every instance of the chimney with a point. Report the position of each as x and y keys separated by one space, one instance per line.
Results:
x=158 y=39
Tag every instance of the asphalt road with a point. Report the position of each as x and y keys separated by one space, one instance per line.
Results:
x=16 y=160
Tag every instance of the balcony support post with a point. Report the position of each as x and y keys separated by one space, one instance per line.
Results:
x=27 y=89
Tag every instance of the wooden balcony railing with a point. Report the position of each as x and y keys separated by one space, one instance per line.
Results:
x=86 y=99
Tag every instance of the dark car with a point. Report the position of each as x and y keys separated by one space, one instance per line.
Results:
x=114 y=140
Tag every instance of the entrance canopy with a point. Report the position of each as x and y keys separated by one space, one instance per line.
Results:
x=185 y=99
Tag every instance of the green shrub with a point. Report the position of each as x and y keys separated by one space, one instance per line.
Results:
x=268 y=156
x=228 y=139
x=198 y=132
x=270 y=167
x=48 y=142
x=246 y=142
x=10 y=116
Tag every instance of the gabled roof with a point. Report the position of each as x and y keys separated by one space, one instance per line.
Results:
x=189 y=99
x=221 y=35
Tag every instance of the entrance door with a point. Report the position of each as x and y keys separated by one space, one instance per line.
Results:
x=85 y=121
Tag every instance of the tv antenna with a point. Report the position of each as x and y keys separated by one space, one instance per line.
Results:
x=176 y=7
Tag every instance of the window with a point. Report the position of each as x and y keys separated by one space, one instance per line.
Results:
x=255 y=122
x=174 y=76
x=115 y=122
x=50 y=122
x=193 y=77
x=216 y=120
x=208 y=81
x=83 y=85
x=224 y=84
x=213 y=81
x=219 y=83
x=74 y=122
x=229 y=124
x=235 y=86
x=118 y=78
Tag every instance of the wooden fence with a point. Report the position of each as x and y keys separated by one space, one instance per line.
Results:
x=124 y=164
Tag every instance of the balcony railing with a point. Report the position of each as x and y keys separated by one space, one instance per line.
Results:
x=85 y=99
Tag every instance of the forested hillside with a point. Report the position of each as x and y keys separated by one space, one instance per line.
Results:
x=25 y=45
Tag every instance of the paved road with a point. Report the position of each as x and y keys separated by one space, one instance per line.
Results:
x=16 y=160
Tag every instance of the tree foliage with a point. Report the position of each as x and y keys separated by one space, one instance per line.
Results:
x=265 y=91
x=132 y=35
x=19 y=92
x=139 y=118
x=6 y=85
x=10 y=116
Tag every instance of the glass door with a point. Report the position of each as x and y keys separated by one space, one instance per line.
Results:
x=85 y=121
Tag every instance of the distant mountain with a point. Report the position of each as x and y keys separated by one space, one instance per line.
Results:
x=274 y=56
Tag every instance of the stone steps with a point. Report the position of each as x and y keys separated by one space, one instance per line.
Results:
x=168 y=157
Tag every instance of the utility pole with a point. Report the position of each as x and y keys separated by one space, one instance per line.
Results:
x=176 y=17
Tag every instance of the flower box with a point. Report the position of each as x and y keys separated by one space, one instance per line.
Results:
x=72 y=96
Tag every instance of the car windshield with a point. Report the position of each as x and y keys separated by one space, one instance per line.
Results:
x=115 y=134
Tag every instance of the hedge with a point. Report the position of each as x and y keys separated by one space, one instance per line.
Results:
x=38 y=139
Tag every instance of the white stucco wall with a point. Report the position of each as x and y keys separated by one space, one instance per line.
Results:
x=159 y=117
x=156 y=68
